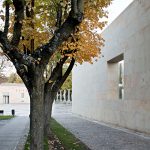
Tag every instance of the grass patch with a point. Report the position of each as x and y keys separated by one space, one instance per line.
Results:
x=27 y=145
x=5 y=117
x=68 y=140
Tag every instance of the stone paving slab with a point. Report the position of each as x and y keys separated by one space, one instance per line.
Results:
x=97 y=136
x=12 y=132
x=3 y=122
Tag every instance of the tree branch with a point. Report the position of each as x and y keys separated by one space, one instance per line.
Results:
x=60 y=82
x=20 y=61
x=6 y=18
x=74 y=6
x=55 y=74
x=80 y=5
x=24 y=74
x=57 y=69
x=46 y=51
x=77 y=8
x=19 y=16
x=16 y=58
x=13 y=52
x=21 y=64
x=59 y=15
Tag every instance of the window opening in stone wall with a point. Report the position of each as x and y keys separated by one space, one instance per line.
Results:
x=116 y=77
x=121 y=79
x=6 y=98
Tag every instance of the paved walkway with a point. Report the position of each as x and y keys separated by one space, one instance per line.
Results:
x=97 y=136
x=13 y=133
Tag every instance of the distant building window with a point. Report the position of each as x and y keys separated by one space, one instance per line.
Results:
x=6 y=98
x=22 y=95
x=121 y=79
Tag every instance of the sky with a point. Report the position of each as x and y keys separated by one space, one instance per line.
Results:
x=115 y=9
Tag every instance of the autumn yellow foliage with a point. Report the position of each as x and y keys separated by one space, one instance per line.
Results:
x=84 y=44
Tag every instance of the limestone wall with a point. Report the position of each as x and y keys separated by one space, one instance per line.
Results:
x=95 y=87
x=17 y=93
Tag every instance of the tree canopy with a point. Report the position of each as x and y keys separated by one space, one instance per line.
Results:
x=43 y=18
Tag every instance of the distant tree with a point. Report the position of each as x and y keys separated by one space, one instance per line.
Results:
x=14 y=78
x=5 y=64
x=68 y=82
x=3 y=61
x=3 y=78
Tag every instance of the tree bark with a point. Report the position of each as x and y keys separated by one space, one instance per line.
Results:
x=37 y=112
x=48 y=102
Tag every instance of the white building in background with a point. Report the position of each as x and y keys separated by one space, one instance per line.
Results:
x=13 y=93
x=116 y=89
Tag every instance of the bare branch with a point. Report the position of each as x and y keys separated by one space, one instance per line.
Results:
x=60 y=82
x=6 y=18
x=19 y=16
x=56 y=72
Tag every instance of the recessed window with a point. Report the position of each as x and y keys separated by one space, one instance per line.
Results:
x=116 y=77
x=121 y=79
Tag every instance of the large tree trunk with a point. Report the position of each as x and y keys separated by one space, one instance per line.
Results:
x=48 y=102
x=37 y=112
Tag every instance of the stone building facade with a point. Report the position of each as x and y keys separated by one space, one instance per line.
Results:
x=116 y=89
x=13 y=93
